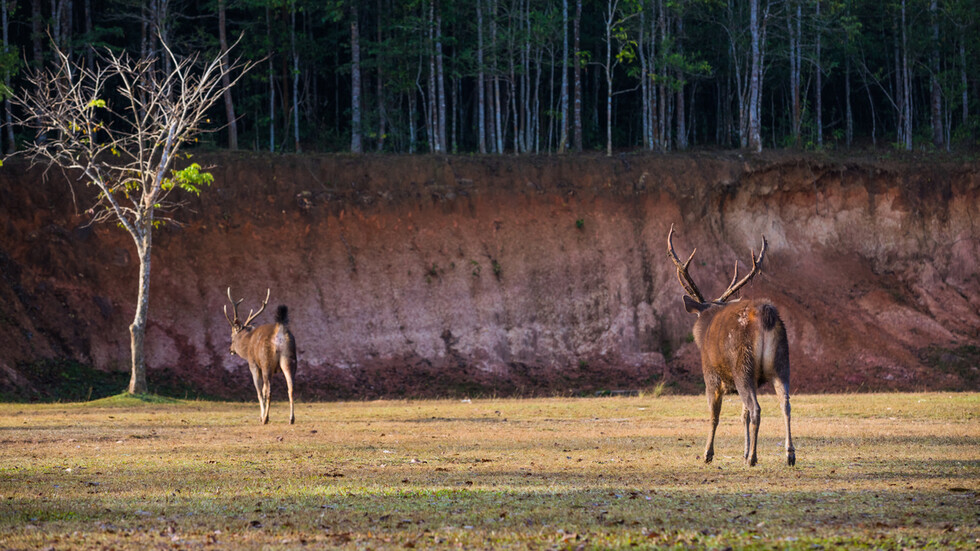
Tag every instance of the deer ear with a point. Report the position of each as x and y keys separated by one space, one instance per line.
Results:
x=694 y=307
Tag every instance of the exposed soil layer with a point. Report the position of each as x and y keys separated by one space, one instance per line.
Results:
x=420 y=276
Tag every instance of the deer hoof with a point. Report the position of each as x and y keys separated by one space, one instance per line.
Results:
x=751 y=461
x=708 y=456
x=791 y=458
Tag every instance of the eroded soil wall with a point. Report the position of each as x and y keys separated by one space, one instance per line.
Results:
x=478 y=275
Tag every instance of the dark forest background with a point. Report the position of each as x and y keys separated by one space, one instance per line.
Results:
x=527 y=76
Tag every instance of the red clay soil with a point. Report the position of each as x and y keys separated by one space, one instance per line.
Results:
x=423 y=276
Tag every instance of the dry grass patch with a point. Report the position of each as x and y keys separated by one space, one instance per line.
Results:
x=877 y=470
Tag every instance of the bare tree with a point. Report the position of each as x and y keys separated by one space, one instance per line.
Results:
x=119 y=126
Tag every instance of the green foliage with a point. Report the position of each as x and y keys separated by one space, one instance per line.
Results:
x=189 y=179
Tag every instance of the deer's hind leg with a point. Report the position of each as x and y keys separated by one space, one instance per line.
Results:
x=782 y=393
x=258 y=390
x=714 y=391
x=288 y=366
x=751 y=415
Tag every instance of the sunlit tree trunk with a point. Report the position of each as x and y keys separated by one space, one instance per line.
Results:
x=755 y=79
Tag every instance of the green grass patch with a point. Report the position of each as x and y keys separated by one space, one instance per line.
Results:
x=886 y=471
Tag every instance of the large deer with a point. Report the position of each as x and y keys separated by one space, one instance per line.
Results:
x=265 y=347
x=743 y=345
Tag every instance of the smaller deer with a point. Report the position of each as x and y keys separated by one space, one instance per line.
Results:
x=265 y=347
x=743 y=345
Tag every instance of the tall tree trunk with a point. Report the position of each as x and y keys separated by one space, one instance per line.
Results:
x=37 y=33
x=848 y=114
x=795 y=61
x=819 y=83
x=938 y=136
x=382 y=113
x=963 y=80
x=89 y=50
x=272 y=81
x=609 y=81
x=226 y=79
x=137 y=330
x=563 y=136
x=295 y=56
x=906 y=84
x=498 y=122
x=755 y=79
x=8 y=116
x=440 y=84
x=481 y=96
x=355 y=47
x=577 y=73
x=681 y=115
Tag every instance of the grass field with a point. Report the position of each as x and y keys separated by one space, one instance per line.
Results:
x=885 y=471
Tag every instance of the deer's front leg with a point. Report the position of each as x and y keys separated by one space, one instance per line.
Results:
x=714 y=393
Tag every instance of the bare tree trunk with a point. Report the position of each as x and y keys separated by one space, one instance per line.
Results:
x=8 y=118
x=137 y=330
x=819 y=84
x=755 y=79
x=226 y=79
x=37 y=33
x=295 y=52
x=440 y=85
x=963 y=80
x=938 y=136
x=848 y=115
x=272 y=82
x=563 y=136
x=355 y=46
x=577 y=72
x=498 y=123
x=382 y=113
x=795 y=61
x=906 y=85
x=609 y=83
x=681 y=115
x=481 y=96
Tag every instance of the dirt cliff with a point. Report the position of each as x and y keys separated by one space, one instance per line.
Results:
x=476 y=275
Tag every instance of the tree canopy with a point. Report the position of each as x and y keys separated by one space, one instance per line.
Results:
x=526 y=76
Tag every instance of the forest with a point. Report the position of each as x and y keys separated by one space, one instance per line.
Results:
x=536 y=76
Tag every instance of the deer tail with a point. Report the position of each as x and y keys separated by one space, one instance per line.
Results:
x=282 y=315
x=770 y=317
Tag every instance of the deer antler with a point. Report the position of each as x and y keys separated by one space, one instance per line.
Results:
x=234 y=306
x=252 y=316
x=682 y=275
x=734 y=286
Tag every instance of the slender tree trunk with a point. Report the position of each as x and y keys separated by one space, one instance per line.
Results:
x=498 y=122
x=382 y=113
x=37 y=33
x=755 y=79
x=295 y=52
x=440 y=85
x=90 y=50
x=272 y=82
x=819 y=83
x=481 y=96
x=11 y=145
x=681 y=115
x=963 y=80
x=906 y=84
x=848 y=115
x=137 y=330
x=226 y=79
x=795 y=61
x=355 y=46
x=577 y=80
x=563 y=136
x=609 y=82
x=938 y=136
